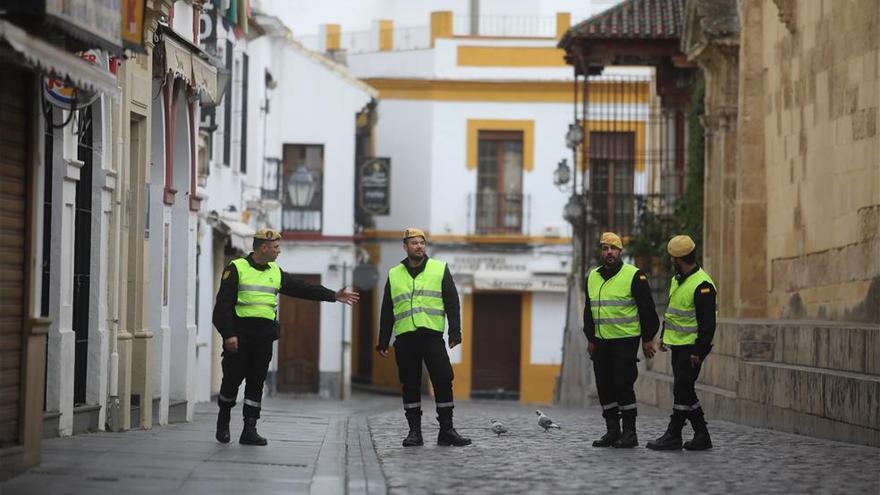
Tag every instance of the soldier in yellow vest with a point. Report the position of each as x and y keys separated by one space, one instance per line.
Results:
x=688 y=328
x=246 y=315
x=618 y=313
x=420 y=296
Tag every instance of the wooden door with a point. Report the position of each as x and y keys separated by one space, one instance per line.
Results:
x=366 y=342
x=496 y=346
x=14 y=103
x=300 y=342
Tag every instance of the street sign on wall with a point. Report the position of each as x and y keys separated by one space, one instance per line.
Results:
x=374 y=186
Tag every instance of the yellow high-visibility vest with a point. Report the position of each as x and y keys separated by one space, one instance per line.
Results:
x=418 y=302
x=257 y=290
x=681 y=315
x=615 y=314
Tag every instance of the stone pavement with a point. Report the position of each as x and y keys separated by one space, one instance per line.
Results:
x=315 y=446
x=527 y=460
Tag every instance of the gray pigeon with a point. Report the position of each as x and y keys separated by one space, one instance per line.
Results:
x=545 y=422
x=498 y=427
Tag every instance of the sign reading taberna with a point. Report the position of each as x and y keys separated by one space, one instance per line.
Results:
x=374 y=186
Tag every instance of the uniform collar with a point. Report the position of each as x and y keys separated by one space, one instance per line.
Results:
x=681 y=277
x=250 y=260
x=608 y=272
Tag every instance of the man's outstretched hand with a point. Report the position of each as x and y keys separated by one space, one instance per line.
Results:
x=347 y=297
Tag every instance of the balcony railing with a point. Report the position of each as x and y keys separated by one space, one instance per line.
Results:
x=625 y=213
x=301 y=220
x=498 y=213
x=419 y=37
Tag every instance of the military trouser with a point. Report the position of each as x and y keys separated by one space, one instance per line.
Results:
x=250 y=363
x=685 y=404
x=410 y=351
x=614 y=363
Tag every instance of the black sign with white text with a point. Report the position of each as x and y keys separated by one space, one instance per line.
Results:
x=374 y=186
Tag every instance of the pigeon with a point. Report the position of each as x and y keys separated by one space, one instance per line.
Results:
x=498 y=427
x=545 y=422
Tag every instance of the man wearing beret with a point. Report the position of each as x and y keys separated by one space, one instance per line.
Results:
x=618 y=313
x=688 y=328
x=420 y=297
x=246 y=315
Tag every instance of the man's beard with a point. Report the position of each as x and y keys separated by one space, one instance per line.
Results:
x=416 y=258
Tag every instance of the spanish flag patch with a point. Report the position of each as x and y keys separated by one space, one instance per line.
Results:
x=705 y=290
x=643 y=277
x=226 y=274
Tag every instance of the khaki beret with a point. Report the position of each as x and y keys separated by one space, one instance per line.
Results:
x=414 y=232
x=680 y=245
x=267 y=235
x=611 y=239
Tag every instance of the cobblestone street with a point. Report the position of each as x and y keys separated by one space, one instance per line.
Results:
x=527 y=460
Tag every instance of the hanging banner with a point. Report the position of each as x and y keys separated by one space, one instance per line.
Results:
x=133 y=24
x=374 y=186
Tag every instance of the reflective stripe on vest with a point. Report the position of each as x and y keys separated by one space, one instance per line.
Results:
x=615 y=314
x=680 y=319
x=418 y=302
x=257 y=290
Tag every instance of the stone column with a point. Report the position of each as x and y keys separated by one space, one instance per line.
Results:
x=711 y=39
x=750 y=204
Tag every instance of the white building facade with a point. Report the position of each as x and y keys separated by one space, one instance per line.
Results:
x=474 y=126
x=294 y=113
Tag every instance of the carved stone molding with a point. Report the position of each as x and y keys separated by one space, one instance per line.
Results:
x=709 y=22
x=787 y=13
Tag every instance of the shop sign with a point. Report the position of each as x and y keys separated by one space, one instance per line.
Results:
x=374 y=186
x=133 y=24
x=517 y=282
x=63 y=95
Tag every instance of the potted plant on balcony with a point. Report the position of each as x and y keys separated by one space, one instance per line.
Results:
x=647 y=243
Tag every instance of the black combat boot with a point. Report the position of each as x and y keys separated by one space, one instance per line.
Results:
x=628 y=438
x=671 y=439
x=448 y=436
x=222 y=434
x=414 y=438
x=611 y=436
x=249 y=435
x=701 y=440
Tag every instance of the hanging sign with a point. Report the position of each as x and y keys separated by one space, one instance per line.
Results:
x=374 y=186
x=133 y=24
x=63 y=95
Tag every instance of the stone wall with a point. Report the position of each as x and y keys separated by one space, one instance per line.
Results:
x=822 y=147
x=819 y=379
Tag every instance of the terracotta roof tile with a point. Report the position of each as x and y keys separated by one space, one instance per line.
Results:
x=643 y=19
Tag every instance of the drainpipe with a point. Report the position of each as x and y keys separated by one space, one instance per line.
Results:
x=342 y=342
x=475 y=17
x=113 y=420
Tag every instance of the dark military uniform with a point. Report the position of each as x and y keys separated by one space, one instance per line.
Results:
x=255 y=338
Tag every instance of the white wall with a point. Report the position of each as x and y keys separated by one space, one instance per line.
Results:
x=548 y=326
x=417 y=64
x=314 y=103
x=452 y=182
x=205 y=296
x=404 y=134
